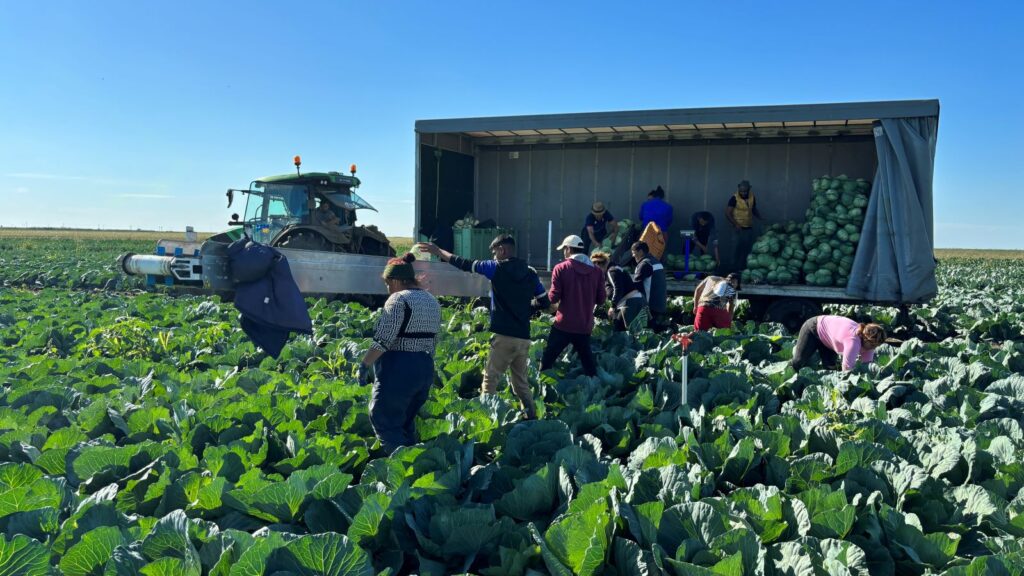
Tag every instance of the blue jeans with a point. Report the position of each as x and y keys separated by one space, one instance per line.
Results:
x=403 y=383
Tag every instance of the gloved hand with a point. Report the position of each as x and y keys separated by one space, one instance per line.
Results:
x=365 y=374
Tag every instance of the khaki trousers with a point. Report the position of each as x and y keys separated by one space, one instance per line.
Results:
x=508 y=352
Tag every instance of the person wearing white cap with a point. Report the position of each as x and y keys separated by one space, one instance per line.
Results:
x=577 y=286
x=600 y=224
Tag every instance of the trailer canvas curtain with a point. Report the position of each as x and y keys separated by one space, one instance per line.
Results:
x=895 y=260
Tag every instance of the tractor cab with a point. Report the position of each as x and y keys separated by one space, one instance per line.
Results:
x=315 y=210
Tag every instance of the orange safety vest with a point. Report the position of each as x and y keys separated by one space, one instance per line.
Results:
x=743 y=212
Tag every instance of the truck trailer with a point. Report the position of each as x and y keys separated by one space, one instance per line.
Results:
x=539 y=175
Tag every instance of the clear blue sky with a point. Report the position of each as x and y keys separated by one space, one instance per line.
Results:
x=141 y=114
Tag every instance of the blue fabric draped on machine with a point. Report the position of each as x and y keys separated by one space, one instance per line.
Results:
x=270 y=303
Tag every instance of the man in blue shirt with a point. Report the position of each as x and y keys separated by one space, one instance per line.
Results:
x=656 y=210
x=514 y=288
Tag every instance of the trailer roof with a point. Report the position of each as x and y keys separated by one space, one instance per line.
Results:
x=856 y=116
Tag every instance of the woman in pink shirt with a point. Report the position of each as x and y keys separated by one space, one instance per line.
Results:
x=835 y=337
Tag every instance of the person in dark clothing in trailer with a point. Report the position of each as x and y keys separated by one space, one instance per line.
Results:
x=705 y=236
x=600 y=224
x=741 y=211
x=577 y=286
x=402 y=354
x=649 y=277
x=516 y=292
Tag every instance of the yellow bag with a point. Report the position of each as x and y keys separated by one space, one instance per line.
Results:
x=654 y=239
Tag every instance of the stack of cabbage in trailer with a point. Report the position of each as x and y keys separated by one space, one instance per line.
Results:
x=820 y=250
x=702 y=263
x=776 y=257
x=832 y=229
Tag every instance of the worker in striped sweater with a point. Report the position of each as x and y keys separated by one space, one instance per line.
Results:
x=402 y=355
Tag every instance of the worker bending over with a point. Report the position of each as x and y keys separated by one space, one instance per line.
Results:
x=715 y=301
x=597 y=226
x=833 y=337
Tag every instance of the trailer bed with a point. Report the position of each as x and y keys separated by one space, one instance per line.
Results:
x=770 y=291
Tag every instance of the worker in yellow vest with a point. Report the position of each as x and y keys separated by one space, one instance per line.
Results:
x=741 y=211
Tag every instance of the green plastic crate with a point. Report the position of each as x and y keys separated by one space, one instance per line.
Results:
x=475 y=243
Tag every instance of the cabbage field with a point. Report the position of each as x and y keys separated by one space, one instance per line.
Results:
x=142 y=434
x=65 y=259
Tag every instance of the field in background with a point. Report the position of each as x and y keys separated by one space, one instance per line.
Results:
x=947 y=253
x=85 y=234
x=401 y=243
x=79 y=259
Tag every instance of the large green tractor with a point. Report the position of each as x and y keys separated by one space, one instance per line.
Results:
x=311 y=211
x=311 y=218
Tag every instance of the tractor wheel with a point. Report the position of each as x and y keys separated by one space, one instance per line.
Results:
x=373 y=247
x=305 y=241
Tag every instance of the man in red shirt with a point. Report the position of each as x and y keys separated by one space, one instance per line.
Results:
x=577 y=286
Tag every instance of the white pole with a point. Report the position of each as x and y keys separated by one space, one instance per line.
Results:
x=549 y=245
x=684 y=379
x=684 y=376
